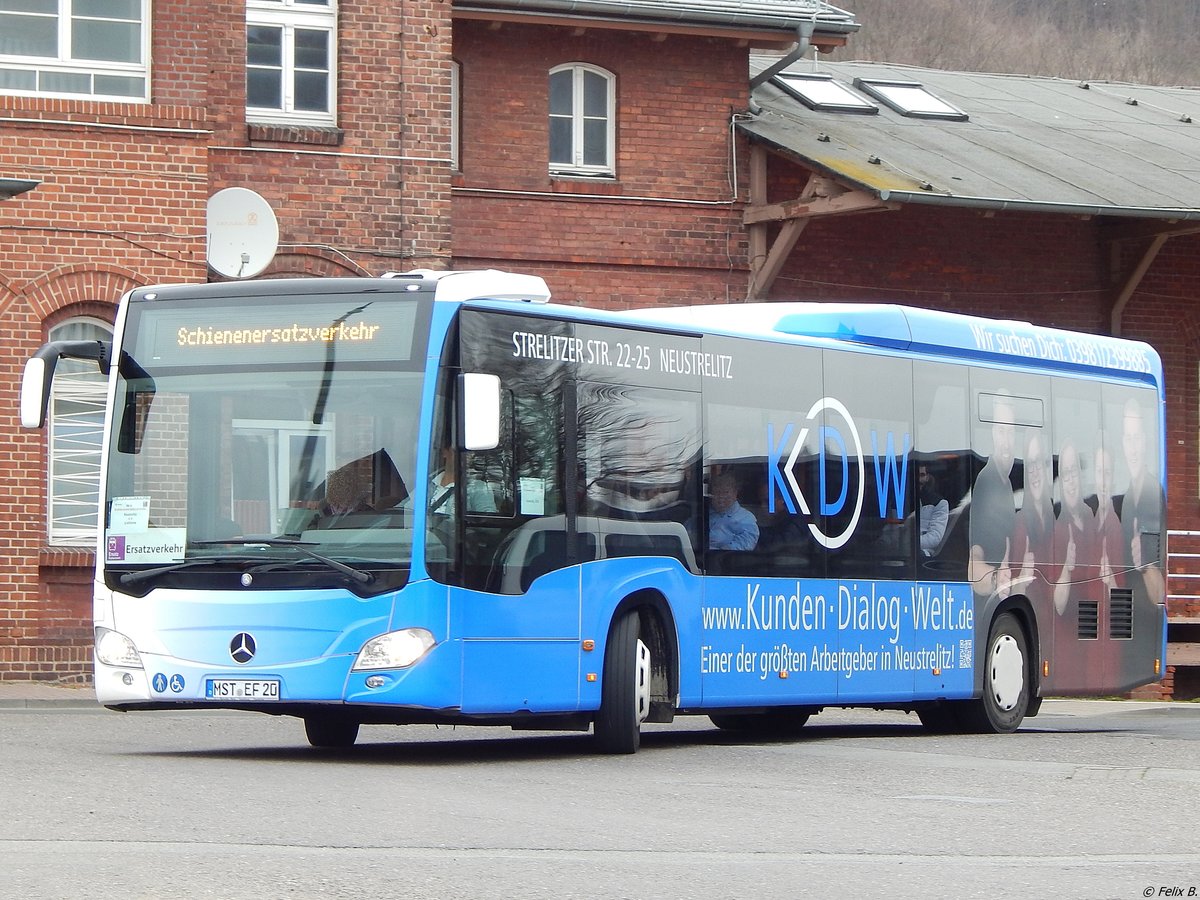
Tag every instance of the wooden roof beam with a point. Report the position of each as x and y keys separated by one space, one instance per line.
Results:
x=1125 y=292
x=822 y=196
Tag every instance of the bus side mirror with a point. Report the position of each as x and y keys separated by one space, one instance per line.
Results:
x=39 y=375
x=35 y=393
x=479 y=411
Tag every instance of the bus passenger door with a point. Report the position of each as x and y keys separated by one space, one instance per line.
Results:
x=514 y=599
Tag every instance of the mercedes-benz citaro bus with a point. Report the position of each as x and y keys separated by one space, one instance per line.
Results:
x=439 y=498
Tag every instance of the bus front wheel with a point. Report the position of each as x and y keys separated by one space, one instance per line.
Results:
x=625 y=689
x=330 y=732
x=1005 y=681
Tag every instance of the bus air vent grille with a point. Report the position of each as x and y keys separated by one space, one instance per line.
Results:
x=1088 y=626
x=1120 y=614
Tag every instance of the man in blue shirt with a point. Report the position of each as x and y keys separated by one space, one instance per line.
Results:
x=730 y=526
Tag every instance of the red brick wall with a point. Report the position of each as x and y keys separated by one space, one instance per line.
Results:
x=373 y=195
x=122 y=201
x=667 y=229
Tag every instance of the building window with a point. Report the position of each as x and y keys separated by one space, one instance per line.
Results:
x=582 y=126
x=290 y=61
x=76 y=431
x=74 y=48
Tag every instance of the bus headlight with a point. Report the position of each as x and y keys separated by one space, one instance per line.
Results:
x=114 y=649
x=394 y=650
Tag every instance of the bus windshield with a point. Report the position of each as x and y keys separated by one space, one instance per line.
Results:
x=270 y=445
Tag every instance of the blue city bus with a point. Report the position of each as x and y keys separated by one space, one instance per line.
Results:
x=439 y=498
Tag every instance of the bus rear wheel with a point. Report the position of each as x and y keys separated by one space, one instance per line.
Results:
x=1006 y=685
x=330 y=732
x=625 y=689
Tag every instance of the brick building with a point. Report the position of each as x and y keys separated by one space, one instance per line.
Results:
x=599 y=144
x=384 y=136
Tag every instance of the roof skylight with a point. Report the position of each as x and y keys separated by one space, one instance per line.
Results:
x=821 y=92
x=909 y=98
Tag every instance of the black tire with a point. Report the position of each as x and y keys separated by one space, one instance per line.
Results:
x=734 y=721
x=1006 y=682
x=624 y=694
x=784 y=722
x=330 y=732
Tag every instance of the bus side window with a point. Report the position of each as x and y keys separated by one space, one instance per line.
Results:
x=943 y=450
x=524 y=475
x=489 y=473
x=638 y=452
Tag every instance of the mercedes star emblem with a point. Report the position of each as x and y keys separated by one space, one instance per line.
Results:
x=241 y=648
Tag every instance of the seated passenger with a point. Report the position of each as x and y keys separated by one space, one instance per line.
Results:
x=730 y=526
x=934 y=512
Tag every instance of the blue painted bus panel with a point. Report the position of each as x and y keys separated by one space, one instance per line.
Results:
x=516 y=676
x=288 y=626
x=475 y=614
x=605 y=583
x=433 y=682
x=824 y=640
x=924 y=333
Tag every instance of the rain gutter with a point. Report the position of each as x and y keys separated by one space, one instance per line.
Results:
x=1043 y=206
x=730 y=13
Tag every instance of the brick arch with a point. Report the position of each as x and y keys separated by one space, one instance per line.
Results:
x=308 y=262
x=94 y=309
x=8 y=293
x=86 y=289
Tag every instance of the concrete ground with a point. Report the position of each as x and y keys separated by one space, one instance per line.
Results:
x=34 y=694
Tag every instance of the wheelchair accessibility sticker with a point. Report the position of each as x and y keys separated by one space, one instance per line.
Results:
x=176 y=683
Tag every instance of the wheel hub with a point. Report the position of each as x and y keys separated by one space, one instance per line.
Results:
x=1008 y=672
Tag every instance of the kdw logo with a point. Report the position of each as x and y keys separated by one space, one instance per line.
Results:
x=841 y=471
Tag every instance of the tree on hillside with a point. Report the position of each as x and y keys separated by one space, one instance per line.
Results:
x=1143 y=41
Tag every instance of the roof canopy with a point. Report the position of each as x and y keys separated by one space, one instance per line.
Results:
x=1020 y=142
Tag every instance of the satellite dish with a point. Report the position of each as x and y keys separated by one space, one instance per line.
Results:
x=243 y=233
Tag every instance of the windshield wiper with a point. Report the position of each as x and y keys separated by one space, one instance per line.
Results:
x=300 y=546
x=146 y=574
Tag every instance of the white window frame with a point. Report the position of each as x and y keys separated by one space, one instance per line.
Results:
x=577 y=166
x=290 y=15
x=81 y=385
x=43 y=69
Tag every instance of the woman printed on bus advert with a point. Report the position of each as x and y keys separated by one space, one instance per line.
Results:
x=1108 y=527
x=1033 y=539
x=1074 y=532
